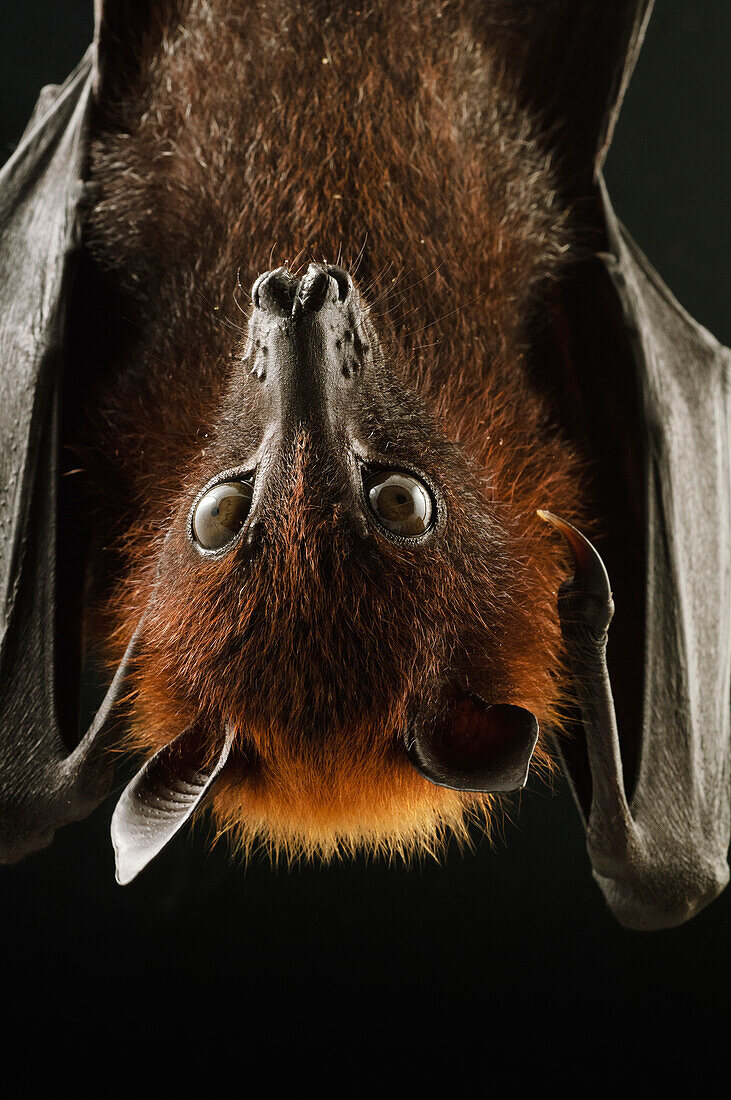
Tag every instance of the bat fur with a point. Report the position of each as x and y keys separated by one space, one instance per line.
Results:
x=385 y=137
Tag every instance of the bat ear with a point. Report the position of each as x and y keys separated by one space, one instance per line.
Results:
x=468 y=745
x=161 y=798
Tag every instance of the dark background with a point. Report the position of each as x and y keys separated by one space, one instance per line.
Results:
x=511 y=944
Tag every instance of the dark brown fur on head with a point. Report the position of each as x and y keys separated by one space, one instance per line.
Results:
x=248 y=134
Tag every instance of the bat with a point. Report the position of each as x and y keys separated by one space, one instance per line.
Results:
x=344 y=419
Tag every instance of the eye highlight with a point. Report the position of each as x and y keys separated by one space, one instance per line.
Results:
x=399 y=501
x=221 y=513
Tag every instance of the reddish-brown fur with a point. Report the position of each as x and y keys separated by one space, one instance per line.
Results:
x=259 y=132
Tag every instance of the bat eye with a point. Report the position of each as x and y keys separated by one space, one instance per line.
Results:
x=221 y=513
x=400 y=502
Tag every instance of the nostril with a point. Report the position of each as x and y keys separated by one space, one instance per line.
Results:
x=343 y=280
x=275 y=291
x=280 y=293
x=314 y=289
x=255 y=291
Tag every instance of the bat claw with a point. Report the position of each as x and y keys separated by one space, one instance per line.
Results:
x=590 y=572
x=585 y=600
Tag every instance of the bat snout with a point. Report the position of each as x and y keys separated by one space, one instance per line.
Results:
x=309 y=345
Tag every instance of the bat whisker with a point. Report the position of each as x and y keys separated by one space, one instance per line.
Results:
x=444 y=316
x=356 y=265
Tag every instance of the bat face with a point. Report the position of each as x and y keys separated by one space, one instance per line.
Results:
x=339 y=593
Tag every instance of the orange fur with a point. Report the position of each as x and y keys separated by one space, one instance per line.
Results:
x=387 y=138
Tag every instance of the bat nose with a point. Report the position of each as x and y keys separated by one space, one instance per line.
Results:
x=280 y=294
x=309 y=346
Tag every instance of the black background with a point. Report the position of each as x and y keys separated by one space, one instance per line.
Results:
x=511 y=944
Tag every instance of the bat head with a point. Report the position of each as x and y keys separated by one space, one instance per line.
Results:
x=337 y=600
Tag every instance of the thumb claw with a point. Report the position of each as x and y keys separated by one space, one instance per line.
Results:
x=590 y=573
